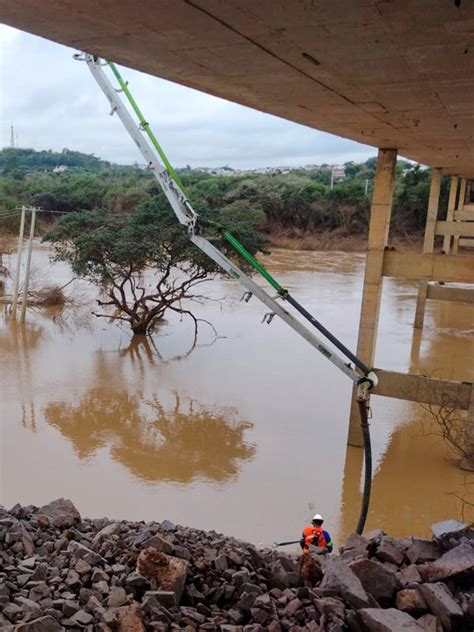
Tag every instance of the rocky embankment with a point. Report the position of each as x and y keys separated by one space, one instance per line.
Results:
x=60 y=572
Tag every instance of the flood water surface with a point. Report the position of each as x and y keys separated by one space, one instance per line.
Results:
x=247 y=433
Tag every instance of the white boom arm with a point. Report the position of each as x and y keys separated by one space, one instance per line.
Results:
x=187 y=216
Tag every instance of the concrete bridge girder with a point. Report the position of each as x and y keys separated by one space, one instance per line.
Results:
x=425 y=267
x=388 y=74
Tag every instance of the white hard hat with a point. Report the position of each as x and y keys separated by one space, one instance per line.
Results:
x=317 y=517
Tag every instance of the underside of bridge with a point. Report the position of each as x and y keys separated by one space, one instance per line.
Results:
x=389 y=73
x=394 y=74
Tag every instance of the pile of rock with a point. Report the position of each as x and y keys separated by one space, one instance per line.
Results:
x=59 y=572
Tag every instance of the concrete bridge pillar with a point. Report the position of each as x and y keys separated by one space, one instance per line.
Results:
x=380 y=214
x=450 y=214
x=460 y=208
x=428 y=244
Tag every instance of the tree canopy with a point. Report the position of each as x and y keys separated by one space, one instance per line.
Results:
x=115 y=251
x=294 y=203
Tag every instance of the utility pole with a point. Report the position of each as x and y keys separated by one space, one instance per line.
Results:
x=366 y=186
x=18 y=263
x=332 y=178
x=28 y=265
x=12 y=137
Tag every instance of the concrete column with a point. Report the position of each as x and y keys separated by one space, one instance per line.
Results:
x=380 y=213
x=450 y=214
x=462 y=197
x=16 y=282
x=28 y=267
x=431 y=216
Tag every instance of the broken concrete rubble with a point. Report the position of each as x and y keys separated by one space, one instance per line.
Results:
x=376 y=579
x=99 y=575
x=456 y=562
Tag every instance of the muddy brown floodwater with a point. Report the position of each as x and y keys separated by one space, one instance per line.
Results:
x=247 y=435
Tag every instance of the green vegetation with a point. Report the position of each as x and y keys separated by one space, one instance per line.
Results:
x=113 y=223
x=144 y=262
x=296 y=203
x=31 y=160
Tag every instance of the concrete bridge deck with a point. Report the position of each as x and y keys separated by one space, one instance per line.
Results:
x=393 y=73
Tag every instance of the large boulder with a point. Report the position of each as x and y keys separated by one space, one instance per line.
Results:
x=82 y=552
x=356 y=546
x=376 y=579
x=441 y=603
x=457 y=561
x=409 y=576
x=390 y=620
x=391 y=550
x=421 y=551
x=279 y=576
x=411 y=600
x=340 y=581
x=159 y=543
x=60 y=513
x=163 y=571
x=430 y=623
x=449 y=528
x=43 y=624
x=17 y=532
x=109 y=530
x=130 y=619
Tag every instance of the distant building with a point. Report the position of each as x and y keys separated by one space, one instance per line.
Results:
x=222 y=171
x=338 y=172
x=218 y=171
x=272 y=170
x=60 y=169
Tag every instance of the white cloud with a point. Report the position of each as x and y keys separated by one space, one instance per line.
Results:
x=54 y=102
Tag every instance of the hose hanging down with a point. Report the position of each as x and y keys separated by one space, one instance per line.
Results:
x=364 y=423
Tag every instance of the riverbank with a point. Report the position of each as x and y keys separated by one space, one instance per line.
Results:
x=292 y=239
x=62 y=572
x=334 y=241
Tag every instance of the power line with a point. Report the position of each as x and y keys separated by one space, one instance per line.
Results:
x=9 y=215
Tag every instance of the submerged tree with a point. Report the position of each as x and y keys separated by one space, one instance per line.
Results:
x=114 y=251
x=448 y=420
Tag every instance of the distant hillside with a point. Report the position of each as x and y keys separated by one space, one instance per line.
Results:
x=296 y=204
x=47 y=160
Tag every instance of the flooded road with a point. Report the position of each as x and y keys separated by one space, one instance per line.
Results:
x=245 y=435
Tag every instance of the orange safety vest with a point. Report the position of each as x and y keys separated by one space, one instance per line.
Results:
x=314 y=535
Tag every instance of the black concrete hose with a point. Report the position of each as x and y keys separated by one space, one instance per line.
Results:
x=364 y=423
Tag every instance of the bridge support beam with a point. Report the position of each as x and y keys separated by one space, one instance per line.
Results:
x=460 y=209
x=453 y=190
x=380 y=214
x=431 y=217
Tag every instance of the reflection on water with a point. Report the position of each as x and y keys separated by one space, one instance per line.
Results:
x=138 y=429
x=155 y=444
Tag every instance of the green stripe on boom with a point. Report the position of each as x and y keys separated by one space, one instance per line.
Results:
x=146 y=126
x=240 y=248
x=253 y=262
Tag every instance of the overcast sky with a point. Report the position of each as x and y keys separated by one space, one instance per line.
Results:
x=54 y=102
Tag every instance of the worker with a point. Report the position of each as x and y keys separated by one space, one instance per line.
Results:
x=316 y=536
